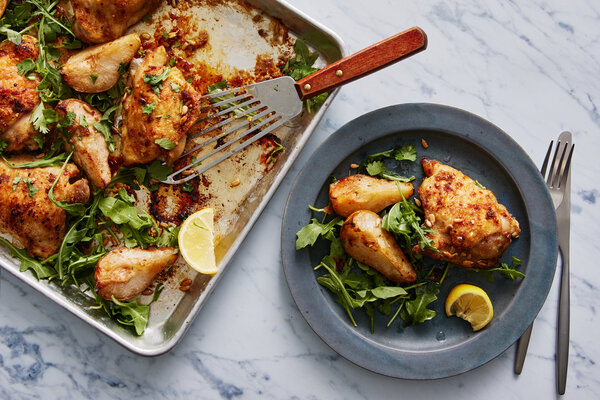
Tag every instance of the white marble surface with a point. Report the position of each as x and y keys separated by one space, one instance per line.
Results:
x=530 y=67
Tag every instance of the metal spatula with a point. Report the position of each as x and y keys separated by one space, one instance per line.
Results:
x=271 y=103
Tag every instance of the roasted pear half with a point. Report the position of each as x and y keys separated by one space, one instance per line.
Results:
x=362 y=192
x=365 y=240
x=96 y=69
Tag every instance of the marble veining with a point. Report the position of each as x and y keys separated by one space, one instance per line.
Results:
x=532 y=68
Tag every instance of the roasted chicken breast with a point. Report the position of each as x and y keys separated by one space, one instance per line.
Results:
x=363 y=192
x=125 y=273
x=157 y=114
x=365 y=240
x=18 y=96
x=27 y=213
x=470 y=227
x=103 y=21
x=89 y=146
x=96 y=69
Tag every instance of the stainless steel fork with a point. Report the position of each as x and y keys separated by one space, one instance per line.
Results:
x=559 y=185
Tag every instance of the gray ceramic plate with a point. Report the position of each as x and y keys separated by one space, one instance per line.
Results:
x=442 y=346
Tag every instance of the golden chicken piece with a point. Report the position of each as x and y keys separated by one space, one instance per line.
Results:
x=125 y=273
x=3 y=4
x=155 y=125
x=96 y=69
x=90 y=151
x=366 y=241
x=470 y=227
x=363 y=192
x=103 y=21
x=27 y=213
x=18 y=96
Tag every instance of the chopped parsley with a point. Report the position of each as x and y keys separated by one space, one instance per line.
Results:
x=148 y=108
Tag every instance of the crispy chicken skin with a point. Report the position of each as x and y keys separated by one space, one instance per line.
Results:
x=363 y=192
x=101 y=63
x=365 y=240
x=470 y=227
x=89 y=146
x=18 y=96
x=125 y=273
x=102 y=21
x=35 y=222
x=174 y=113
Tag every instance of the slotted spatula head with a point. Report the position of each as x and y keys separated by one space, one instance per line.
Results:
x=264 y=106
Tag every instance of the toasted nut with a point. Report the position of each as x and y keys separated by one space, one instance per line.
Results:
x=424 y=143
x=145 y=36
x=428 y=223
x=354 y=166
x=184 y=288
x=147 y=292
x=235 y=182
x=184 y=110
x=431 y=218
x=417 y=202
x=186 y=282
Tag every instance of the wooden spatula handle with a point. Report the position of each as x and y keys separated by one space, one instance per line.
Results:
x=362 y=63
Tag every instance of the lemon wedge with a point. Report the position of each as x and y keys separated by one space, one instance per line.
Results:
x=470 y=303
x=196 y=241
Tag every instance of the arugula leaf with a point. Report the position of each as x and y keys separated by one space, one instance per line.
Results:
x=301 y=66
x=42 y=162
x=131 y=313
x=165 y=143
x=124 y=214
x=11 y=35
x=416 y=311
x=77 y=209
x=104 y=126
x=403 y=221
x=26 y=66
x=308 y=235
x=156 y=79
x=41 y=271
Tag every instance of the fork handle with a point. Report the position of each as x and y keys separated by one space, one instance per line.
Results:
x=562 y=345
x=362 y=63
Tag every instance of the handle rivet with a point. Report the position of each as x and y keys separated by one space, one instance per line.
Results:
x=339 y=73
x=307 y=87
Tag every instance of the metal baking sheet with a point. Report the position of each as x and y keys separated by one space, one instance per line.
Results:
x=237 y=207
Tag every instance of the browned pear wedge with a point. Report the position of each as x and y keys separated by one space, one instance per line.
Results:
x=124 y=273
x=365 y=240
x=96 y=69
x=363 y=192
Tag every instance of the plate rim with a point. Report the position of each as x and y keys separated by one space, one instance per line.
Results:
x=433 y=117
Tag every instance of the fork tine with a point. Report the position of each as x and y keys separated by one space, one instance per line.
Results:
x=555 y=166
x=224 y=134
x=545 y=163
x=231 y=119
x=564 y=173
x=242 y=146
x=172 y=177
x=229 y=109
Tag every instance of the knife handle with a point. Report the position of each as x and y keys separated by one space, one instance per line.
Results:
x=364 y=62
x=562 y=344
x=522 y=345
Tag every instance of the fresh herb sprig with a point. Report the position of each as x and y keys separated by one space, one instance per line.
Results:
x=300 y=66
